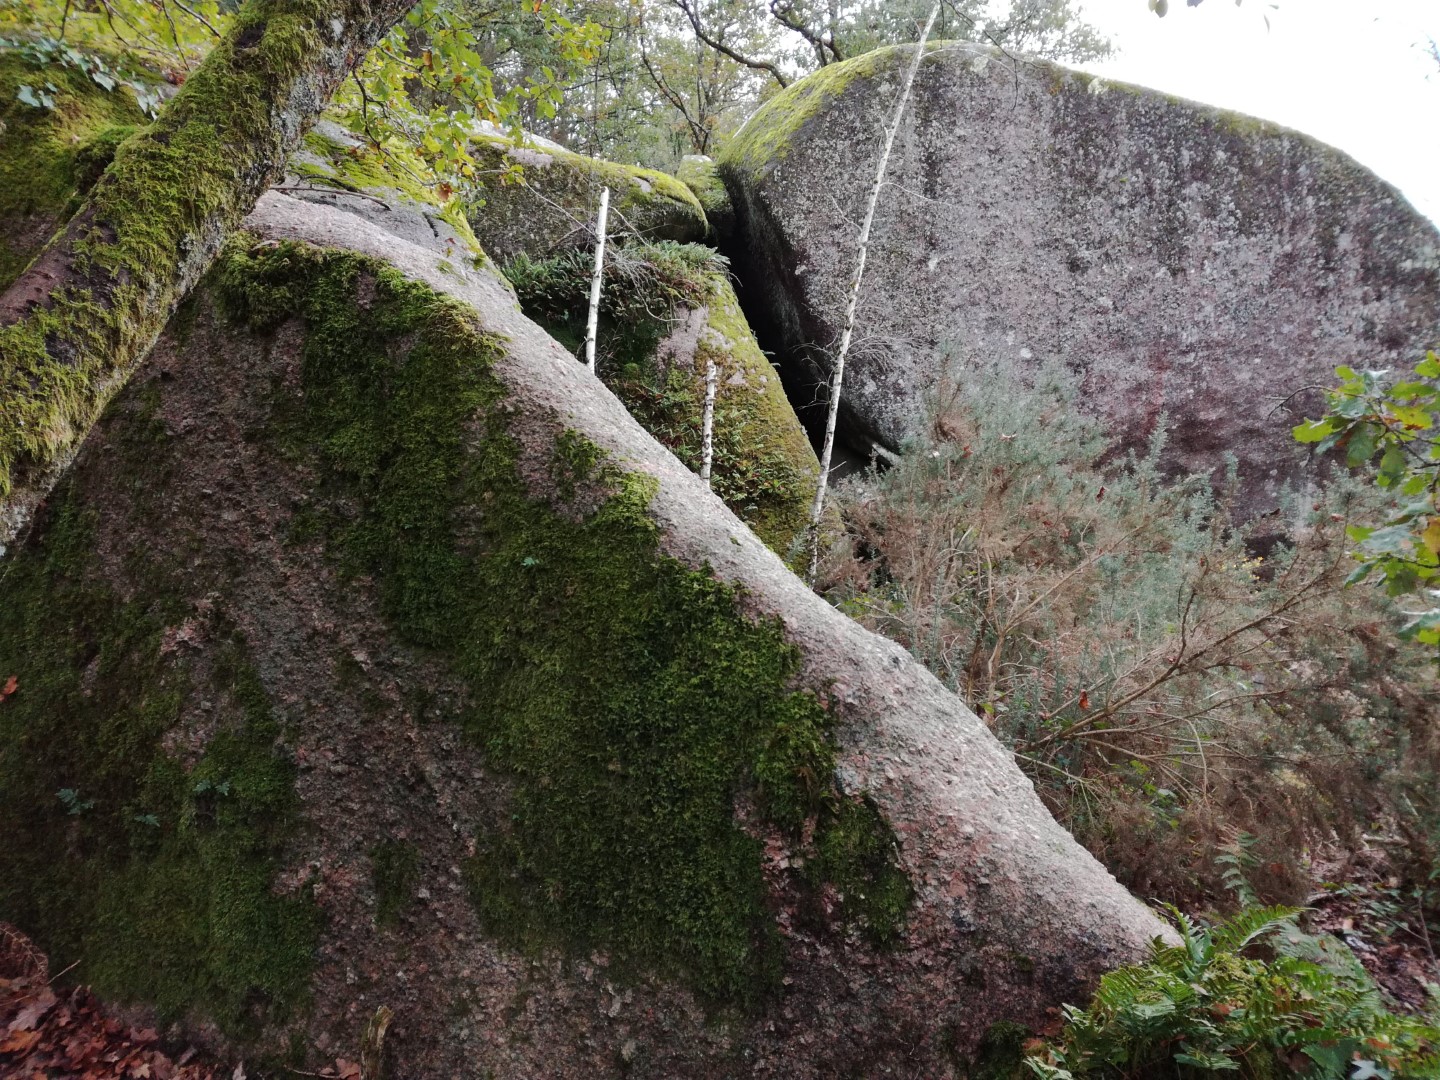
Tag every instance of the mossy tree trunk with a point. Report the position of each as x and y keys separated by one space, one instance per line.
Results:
x=87 y=309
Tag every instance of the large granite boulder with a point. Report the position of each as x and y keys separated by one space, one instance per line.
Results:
x=370 y=654
x=537 y=198
x=1191 y=263
x=667 y=312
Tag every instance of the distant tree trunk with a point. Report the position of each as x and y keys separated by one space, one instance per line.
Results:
x=592 y=320
x=837 y=372
x=80 y=318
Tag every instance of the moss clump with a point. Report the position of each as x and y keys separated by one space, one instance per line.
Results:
x=50 y=156
x=536 y=201
x=701 y=176
x=763 y=465
x=767 y=135
x=395 y=868
x=856 y=853
x=623 y=693
x=156 y=875
x=1001 y=1053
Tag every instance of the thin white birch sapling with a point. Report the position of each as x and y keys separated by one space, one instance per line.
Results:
x=707 y=423
x=592 y=321
x=837 y=377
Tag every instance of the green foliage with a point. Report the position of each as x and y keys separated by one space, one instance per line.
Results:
x=428 y=87
x=627 y=699
x=644 y=283
x=1209 y=1006
x=49 y=54
x=131 y=43
x=1373 y=418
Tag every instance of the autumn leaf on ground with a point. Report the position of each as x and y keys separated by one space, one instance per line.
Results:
x=30 y=1015
x=11 y=685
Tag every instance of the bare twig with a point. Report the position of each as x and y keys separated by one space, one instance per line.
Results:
x=817 y=508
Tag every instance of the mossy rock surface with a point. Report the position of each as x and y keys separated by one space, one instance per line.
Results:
x=667 y=312
x=371 y=653
x=701 y=175
x=1191 y=264
x=334 y=167
x=539 y=199
x=48 y=156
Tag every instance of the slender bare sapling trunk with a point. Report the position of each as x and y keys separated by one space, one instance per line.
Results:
x=592 y=321
x=837 y=377
x=707 y=423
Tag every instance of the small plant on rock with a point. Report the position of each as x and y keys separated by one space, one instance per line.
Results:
x=1209 y=1006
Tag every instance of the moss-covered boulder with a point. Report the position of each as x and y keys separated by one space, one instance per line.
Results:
x=1191 y=263
x=334 y=167
x=701 y=175
x=371 y=654
x=536 y=198
x=667 y=312
x=50 y=153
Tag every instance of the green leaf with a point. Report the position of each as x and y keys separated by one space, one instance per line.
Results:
x=1391 y=540
x=1360 y=573
x=1422 y=621
x=1412 y=417
x=1207 y=1059
x=1361 y=446
x=1312 y=431
x=1407 y=391
x=1392 y=466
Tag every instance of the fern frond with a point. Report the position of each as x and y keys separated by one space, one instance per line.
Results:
x=1249 y=925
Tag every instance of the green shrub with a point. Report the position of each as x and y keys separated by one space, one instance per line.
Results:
x=1208 y=1006
x=644 y=284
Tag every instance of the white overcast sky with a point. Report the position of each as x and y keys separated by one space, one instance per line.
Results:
x=1354 y=73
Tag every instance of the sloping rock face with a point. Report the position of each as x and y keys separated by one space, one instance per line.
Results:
x=371 y=654
x=539 y=198
x=667 y=311
x=1191 y=263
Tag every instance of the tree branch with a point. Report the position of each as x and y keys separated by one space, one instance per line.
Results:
x=821 y=43
x=82 y=316
x=690 y=13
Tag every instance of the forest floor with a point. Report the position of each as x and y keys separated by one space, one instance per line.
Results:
x=1385 y=926
x=49 y=1032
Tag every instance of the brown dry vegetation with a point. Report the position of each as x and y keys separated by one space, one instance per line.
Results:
x=1183 y=705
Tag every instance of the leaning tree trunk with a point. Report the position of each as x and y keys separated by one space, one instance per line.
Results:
x=87 y=309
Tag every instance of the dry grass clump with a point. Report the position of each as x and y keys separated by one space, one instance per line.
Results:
x=1167 y=688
